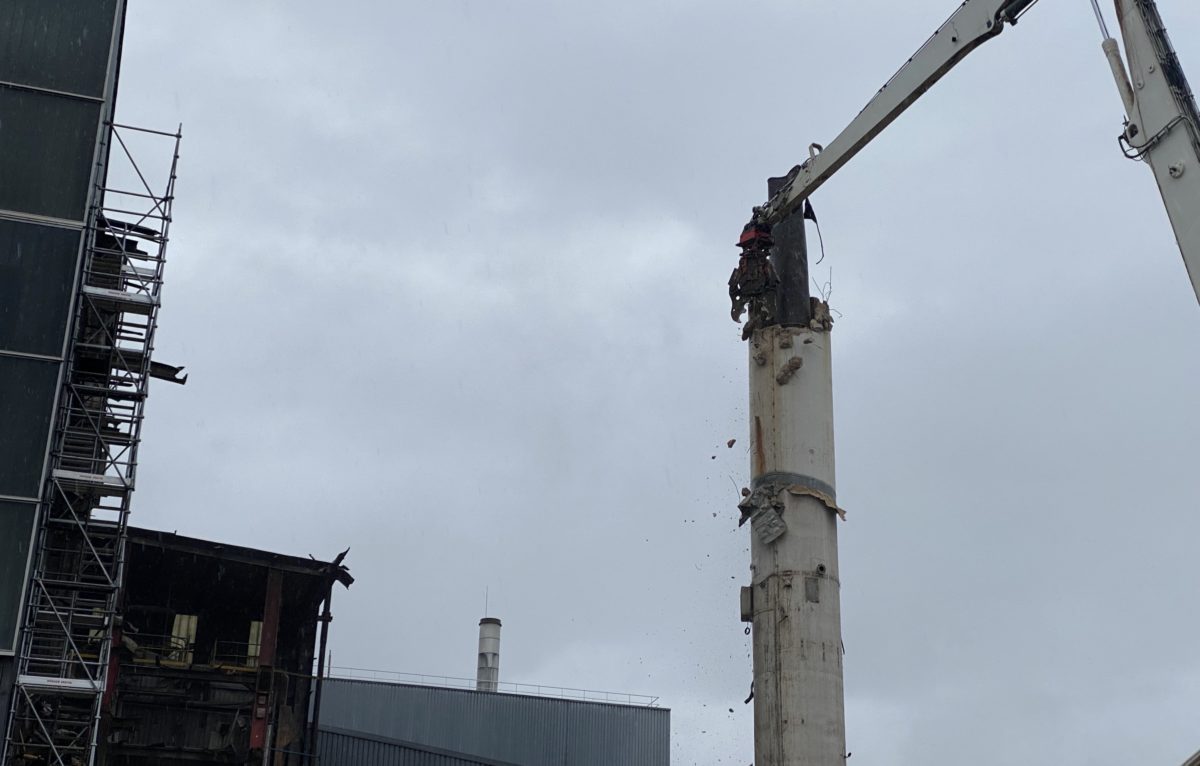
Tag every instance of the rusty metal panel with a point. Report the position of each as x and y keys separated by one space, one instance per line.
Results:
x=263 y=692
x=527 y=730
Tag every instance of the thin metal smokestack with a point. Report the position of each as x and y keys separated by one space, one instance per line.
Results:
x=487 y=677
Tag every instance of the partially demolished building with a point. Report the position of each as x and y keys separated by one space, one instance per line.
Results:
x=214 y=662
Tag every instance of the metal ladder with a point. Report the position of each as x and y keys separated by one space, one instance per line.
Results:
x=70 y=619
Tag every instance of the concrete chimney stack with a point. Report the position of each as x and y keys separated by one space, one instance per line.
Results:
x=487 y=677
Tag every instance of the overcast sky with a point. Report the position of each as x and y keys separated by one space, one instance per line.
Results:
x=449 y=280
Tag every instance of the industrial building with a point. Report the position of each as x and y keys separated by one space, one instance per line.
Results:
x=372 y=722
x=366 y=722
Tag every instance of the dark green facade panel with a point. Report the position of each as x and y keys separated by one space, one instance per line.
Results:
x=27 y=389
x=37 y=273
x=16 y=528
x=57 y=44
x=48 y=144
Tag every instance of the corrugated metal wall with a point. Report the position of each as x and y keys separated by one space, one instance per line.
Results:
x=339 y=748
x=531 y=731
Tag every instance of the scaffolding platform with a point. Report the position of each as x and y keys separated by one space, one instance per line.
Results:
x=119 y=300
x=91 y=482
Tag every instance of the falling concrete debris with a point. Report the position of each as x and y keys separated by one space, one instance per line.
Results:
x=764 y=510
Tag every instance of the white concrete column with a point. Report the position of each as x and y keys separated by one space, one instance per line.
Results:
x=794 y=598
x=487 y=675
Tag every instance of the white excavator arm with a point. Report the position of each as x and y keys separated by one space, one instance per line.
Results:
x=1162 y=126
x=974 y=23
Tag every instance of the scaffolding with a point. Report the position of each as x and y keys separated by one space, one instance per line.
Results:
x=70 y=620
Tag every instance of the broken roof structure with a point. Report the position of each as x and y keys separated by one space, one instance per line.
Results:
x=216 y=651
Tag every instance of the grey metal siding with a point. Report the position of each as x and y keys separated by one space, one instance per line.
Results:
x=531 y=731
x=338 y=748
